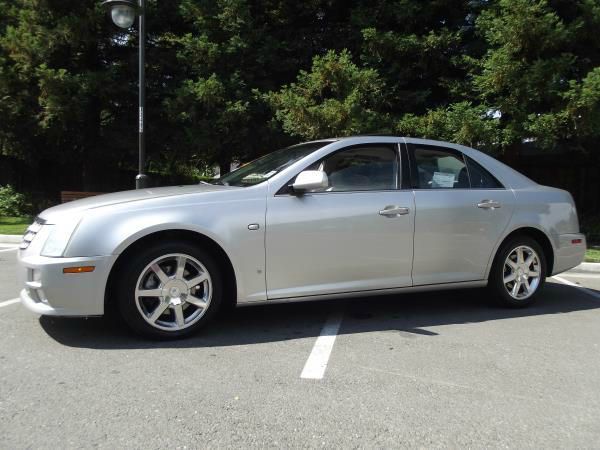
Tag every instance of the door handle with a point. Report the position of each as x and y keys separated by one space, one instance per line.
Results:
x=394 y=211
x=488 y=204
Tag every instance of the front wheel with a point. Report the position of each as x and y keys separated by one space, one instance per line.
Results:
x=169 y=290
x=518 y=272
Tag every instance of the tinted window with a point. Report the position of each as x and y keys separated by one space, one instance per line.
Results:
x=440 y=169
x=481 y=178
x=366 y=168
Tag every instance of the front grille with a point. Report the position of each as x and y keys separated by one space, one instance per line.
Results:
x=31 y=232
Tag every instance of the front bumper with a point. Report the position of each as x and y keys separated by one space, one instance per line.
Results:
x=569 y=254
x=49 y=291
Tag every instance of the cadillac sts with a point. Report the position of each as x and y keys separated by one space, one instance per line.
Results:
x=347 y=217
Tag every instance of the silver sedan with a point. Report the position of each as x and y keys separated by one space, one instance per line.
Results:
x=339 y=217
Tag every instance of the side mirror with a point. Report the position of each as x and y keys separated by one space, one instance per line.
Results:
x=309 y=180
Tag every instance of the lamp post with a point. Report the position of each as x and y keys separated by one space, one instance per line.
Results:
x=123 y=14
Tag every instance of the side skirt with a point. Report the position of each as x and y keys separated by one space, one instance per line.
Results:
x=423 y=288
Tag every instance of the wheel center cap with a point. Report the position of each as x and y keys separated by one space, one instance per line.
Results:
x=175 y=289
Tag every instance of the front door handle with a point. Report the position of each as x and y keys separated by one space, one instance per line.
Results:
x=488 y=204
x=394 y=211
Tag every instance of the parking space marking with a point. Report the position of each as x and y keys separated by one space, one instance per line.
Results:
x=584 y=289
x=9 y=302
x=316 y=363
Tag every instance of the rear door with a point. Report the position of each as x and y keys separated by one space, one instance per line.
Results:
x=462 y=211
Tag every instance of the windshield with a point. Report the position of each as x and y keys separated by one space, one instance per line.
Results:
x=263 y=168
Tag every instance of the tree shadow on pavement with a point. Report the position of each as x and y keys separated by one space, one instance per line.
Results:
x=408 y=314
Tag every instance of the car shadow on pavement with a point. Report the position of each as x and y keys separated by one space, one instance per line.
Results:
x=408 y=314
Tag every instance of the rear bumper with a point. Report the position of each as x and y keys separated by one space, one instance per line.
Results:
x=49 y=291
x=569 y=254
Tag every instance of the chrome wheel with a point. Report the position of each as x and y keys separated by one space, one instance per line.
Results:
x=173 y=292
x=522 y=272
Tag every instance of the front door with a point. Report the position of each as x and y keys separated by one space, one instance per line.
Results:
x=354 y=235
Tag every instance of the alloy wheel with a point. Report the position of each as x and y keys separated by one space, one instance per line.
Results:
x=173 y=292
x=521 y=272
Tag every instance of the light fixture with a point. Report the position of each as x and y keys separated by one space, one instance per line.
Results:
x=122 y=12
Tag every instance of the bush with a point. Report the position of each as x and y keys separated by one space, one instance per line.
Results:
x=13 y=203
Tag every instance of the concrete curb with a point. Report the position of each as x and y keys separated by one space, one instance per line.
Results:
x=586 y=267
x=10 y=238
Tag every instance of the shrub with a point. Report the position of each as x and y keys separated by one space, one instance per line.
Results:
x=13 y=203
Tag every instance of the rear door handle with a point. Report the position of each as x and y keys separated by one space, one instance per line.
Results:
x=488 y=204
x=394 y=211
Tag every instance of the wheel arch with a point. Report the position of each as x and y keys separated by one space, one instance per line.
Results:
x=222 y=258
x=536 y=234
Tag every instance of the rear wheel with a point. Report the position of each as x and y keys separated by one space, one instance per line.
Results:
x=518 y=272
x=169 y=290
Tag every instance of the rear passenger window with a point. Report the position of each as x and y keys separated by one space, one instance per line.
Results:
x=440 y=169
x=481 y=178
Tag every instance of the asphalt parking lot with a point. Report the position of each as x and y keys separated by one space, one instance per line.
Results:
x=445 y=369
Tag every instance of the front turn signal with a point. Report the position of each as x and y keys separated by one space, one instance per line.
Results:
x=81 y=269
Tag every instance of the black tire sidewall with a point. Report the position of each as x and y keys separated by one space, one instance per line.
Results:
x=496 y=279
x=126 y=283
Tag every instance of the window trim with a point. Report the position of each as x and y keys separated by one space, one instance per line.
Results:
x=286 y=190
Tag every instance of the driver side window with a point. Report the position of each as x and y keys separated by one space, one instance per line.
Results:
x=364 y=168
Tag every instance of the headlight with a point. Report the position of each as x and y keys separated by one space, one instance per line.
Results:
x=59 y=237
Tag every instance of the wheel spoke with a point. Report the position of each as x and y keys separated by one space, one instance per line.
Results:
x=534 y=273
x=196 y=280
x=519 y=256
x=160 y=309
x=526 y=286
x=149 y=293
x=510 y=277
x=529 y=260
x=515 y=289
x=181 y=260
x=513 y=265
x=162 y=276
x=179 y=315
x=200 y=303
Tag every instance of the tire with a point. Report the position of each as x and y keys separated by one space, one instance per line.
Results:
x=516 y=272
x=184 y=290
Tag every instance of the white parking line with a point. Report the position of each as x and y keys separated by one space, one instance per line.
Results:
x=319 y=357
x=584 y=289
x=9 y=302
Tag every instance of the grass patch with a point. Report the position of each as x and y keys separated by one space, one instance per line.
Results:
x=592 y=255
x=14 y=225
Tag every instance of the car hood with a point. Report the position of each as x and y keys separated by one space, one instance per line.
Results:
x=78 y=206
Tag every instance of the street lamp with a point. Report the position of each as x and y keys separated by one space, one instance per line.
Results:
x=123 y=14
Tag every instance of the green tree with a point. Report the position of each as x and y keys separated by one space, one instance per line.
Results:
x=540 y=70
x=336 y=98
